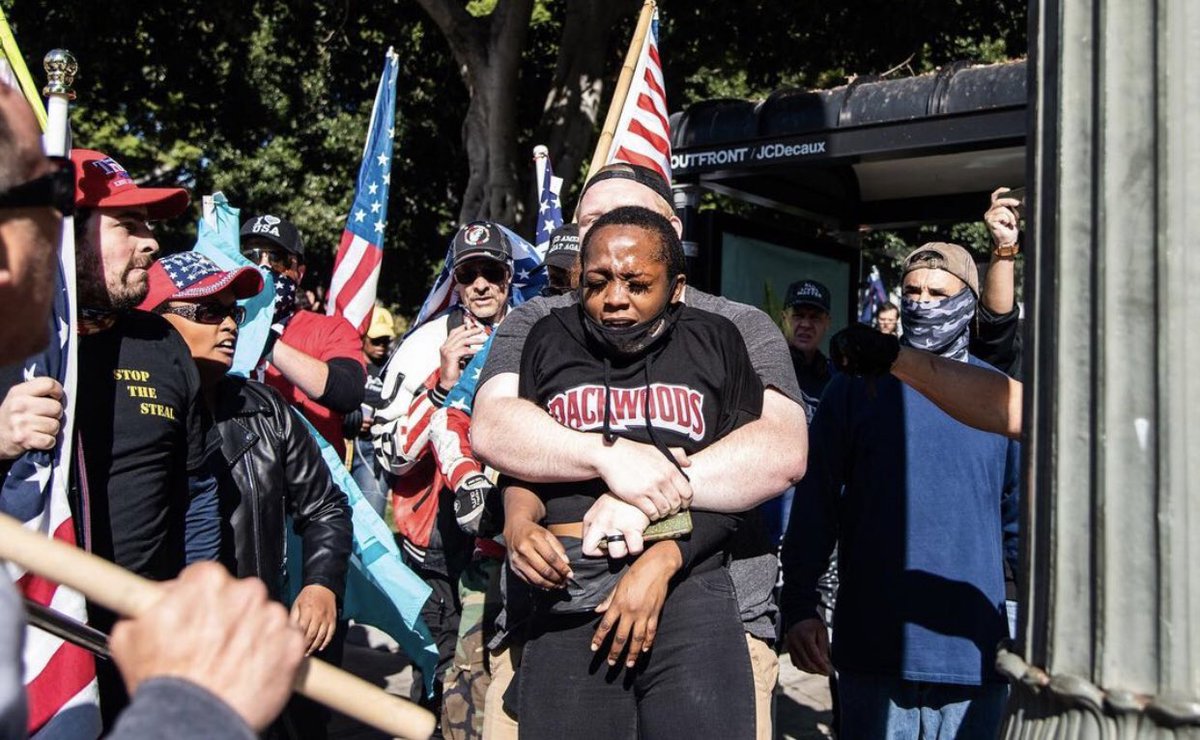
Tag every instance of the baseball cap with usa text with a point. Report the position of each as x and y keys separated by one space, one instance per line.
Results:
x=101 y=182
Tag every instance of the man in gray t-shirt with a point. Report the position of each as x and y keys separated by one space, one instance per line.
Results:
x=749 y=466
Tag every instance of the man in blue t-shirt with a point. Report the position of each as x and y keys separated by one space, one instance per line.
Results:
x=913 y=499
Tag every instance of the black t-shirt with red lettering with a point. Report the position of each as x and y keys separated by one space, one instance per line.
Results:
x=700 y=381
x=143 y=426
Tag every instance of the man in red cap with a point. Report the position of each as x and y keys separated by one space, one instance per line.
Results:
x=141 y=426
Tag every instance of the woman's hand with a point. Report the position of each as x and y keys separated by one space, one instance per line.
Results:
x=536 y=555
x=635 y=604
x=315 y=613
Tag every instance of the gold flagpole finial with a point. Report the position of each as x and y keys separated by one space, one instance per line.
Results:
x=60 y=68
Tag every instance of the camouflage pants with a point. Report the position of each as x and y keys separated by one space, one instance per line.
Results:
x=466 y=680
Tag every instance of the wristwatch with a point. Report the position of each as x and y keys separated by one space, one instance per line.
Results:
x=1007 y=250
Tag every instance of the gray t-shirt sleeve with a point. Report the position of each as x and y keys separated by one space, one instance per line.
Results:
x=764 y=340
x=12 y=636
x=175 y=708
x=509 y=339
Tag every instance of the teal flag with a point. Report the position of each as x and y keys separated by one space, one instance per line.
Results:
x=380 y=589
x=217 y=238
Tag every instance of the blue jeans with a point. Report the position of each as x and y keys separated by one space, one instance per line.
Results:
x=890 y=708
x=371 y=480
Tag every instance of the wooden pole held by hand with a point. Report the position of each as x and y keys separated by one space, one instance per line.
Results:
x=128 y=594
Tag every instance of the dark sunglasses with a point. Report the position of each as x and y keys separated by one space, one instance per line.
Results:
x=493 y=272
x=207 y=313
x=276 y=258
x=380 y=341
x=55 y=189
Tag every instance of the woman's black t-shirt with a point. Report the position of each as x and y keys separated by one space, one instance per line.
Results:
x=700 y=385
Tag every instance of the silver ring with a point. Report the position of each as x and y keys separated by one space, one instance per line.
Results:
x=611 y=538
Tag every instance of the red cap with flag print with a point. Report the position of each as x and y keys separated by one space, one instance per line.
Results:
x=101 y=182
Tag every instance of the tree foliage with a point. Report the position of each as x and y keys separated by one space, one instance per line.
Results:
x=269 y=100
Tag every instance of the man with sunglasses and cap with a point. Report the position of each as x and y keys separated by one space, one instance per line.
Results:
x=421 y=373
x=314 y=360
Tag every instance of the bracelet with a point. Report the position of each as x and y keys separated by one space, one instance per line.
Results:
x=1007 y=250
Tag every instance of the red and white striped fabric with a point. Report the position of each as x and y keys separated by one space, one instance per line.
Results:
x=60 y=678
x=643 y=133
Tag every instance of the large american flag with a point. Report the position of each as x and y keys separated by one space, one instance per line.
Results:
x=60 y=678
x=643 y=134
x=549 y=215
x=356 y=269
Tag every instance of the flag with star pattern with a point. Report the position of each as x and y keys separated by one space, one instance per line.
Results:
x=356 y=268
x=549 y=215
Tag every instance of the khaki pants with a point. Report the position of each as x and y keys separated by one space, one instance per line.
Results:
x=765 y=665
x=497 y=725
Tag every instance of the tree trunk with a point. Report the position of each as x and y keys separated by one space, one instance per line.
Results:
x=583 y=76
x=488 y=51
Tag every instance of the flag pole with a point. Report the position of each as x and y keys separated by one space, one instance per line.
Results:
x=129 y=595
x=8 y=45
x=622 y=90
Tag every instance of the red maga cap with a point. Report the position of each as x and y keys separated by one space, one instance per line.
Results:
x=101 y=182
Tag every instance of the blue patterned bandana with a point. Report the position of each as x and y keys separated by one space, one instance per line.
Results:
x=941 y=327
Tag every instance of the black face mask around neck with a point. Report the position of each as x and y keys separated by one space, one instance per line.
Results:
x=631 y=341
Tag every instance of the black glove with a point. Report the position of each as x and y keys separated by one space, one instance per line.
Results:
x=860 y=350
x=352 y=424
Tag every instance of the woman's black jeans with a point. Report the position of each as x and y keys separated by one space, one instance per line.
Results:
x=695 y=682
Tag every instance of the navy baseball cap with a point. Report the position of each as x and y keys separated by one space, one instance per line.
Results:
x=276 y=230
x=563 y=251
x=807 y=293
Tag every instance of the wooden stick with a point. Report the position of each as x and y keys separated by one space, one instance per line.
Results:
x=130 y=595
x=622 y=90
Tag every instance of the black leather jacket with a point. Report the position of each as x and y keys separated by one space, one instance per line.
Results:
x=269 y=466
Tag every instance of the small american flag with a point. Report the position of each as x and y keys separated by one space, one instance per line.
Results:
x=356 y=268
x=643 y=134
x=549 y=215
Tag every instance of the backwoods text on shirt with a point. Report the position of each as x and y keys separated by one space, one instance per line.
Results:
x=677 y=408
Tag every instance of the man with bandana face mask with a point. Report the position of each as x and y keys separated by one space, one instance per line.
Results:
x=314 y=360
x=913 y=500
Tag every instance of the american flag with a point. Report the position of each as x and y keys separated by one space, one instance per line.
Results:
x=356 y=269
x=549 y=215
x=60 y=678
x=643 y=135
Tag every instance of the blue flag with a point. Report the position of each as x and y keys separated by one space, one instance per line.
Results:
x=380 y=589
x=217 y=238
